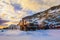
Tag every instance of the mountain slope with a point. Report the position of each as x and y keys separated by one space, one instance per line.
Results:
x=51 y=15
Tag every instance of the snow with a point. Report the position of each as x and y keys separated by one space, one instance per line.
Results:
x=30 y=35
x=41 y=20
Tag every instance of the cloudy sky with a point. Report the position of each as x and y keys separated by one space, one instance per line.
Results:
x=12 y=11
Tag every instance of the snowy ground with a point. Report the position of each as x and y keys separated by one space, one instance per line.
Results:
x=30 y=35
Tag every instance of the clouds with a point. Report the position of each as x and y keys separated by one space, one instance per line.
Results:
x=7 y=12
x=37 y=5
x=3 y=21
x=14 y=10
x=47 y=1
x=52 y=1
x=17 y=7
x=27 y=4
x=34 y=5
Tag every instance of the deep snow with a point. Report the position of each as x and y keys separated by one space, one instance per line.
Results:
x=30 y=35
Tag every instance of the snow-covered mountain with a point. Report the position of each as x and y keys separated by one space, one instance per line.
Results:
x=51 y=15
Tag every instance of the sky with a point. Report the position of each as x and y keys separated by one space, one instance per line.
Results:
x=12 y=11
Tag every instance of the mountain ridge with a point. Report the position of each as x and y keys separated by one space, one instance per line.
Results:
x=51 y=8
